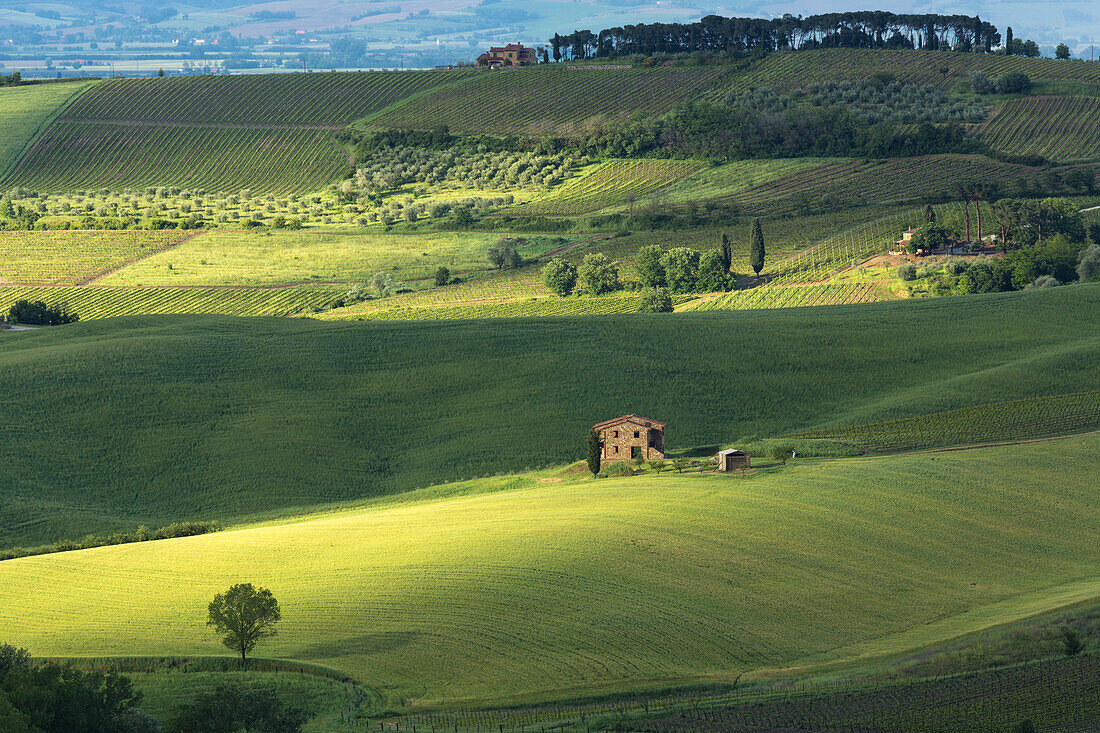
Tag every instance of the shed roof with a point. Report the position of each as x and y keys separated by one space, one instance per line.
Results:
x=732 y=452
x=630 y=418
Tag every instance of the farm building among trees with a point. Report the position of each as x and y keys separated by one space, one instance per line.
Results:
x=514 y=54
x=631 y=437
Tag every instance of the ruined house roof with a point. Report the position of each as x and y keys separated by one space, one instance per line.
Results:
x=645 y=421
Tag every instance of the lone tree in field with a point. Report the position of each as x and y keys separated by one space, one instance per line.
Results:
x=560 y=276
x=756 y=247
x=1071 y=642
x=244 y=616
x=595 y=448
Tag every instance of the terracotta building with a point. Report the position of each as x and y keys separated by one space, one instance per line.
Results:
x=514 y=54
x=631 y=436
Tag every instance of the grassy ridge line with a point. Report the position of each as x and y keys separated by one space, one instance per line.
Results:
x=11 y=162
x=228 y=437
x=1065 y=129
x=466 y=600
x=999 y=421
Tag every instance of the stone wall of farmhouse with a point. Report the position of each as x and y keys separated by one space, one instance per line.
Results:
x=619 y=439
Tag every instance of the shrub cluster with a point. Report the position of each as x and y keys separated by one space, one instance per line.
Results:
x=141 y=534
x=37 y=313
x=683 y=269
x=1015 y=82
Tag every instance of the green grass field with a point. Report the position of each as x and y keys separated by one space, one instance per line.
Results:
x=546 y=100
x=1057 y=128
x=223 y=257
x=218 y=423
x=73 y=257
x=25 y=112
x=555 y=589
x=725 y=180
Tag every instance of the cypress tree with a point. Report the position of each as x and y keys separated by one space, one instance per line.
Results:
x=727 y=252
x=930 y=213
x=756 y=247
x=595 y=448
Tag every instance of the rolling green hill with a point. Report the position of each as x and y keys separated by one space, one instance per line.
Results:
x=25 y=112
x=1057 y=128
x=264 y=132
x=227 y=418
x=539 y=590
x=559 y=99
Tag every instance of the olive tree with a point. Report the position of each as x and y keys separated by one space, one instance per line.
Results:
x=244 y=616
x=598 y=274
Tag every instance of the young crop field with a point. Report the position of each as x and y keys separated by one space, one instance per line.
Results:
x=547 y=100
x=999 y=421
x=793 y=296
x=796 y=70
x=259 y=100
x=612 y=183
x=649 y=581
x=25 y=112
x=278 y=257
x=727 y=179
x=94 y=301
x=895 y=180
x=1058 y=128
x=75 y=156
x=226 y=437
x=74 y=257
x=1058 y=694
x=530 y=308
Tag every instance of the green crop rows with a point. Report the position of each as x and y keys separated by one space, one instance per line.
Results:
x=998 y=421
x=95 y=302
x=1055 y=694
x=75 y=155
x=25 y=112
x=795 y=296
x=265 y=100
x=880 y=181
x=1057 y=128
x=73 y=257
x=614 y=182
x=534 y=307
x=790 y=71
x=547 y=100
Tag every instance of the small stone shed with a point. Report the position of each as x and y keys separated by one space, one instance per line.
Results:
x=629 y=437
x=733 y=460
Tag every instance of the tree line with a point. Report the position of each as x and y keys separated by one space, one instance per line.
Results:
x=717 y=34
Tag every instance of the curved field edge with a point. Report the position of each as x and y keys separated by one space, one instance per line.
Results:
x=646 y=580
x=42 y=126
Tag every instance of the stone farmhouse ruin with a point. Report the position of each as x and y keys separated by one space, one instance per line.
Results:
x=630 y=437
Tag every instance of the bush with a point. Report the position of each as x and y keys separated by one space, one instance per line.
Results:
x=1016 y=82
x=955 y=267
x=907 y=272
x=1088 y=264
x=560 y=276
x=782 y=451
x=647 y=263
x=681 y=266
x=655 y=300
x=1044 y=281
x=981 y=83
x=442 y=276
x=230 y=708
x=37 y=313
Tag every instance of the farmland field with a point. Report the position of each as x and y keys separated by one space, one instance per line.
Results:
x=25 y=112
x=73 y=257
x=612 y=183
x=224 y=257
x=260 y=100
x=1057 y=128
x=95 y=301
x=999 y=421
x=229 y=436
x=731 y=178
x=533 y=307
x=552 y=100
x=793 y=296
x=541 y=588
x=75 y=156
x=790 y=71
